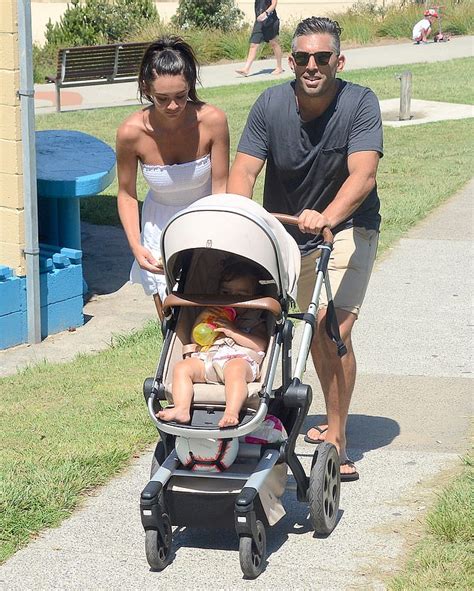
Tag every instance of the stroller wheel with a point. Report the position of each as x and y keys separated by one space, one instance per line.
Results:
x=252 y=552
x=158 y=548
x=324 y=489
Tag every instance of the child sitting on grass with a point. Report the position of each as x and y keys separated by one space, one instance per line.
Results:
x=234 y=359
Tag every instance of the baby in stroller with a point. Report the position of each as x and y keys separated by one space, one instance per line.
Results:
x=233 y=359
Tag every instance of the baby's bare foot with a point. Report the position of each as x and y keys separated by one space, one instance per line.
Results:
x=242 y=72
x=174 y=414
x=229 y=420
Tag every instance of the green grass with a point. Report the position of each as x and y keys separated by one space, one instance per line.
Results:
x=409 y=187
x=445 y=557
x=67 y=428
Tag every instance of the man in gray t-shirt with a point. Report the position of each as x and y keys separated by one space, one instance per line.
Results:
x=321 y=138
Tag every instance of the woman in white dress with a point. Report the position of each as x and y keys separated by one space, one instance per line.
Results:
x=182 y=146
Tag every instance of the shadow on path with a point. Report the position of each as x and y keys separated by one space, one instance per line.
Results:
x=364 y=432
x=106 y=258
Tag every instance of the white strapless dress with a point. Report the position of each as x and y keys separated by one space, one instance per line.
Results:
x=172 y=188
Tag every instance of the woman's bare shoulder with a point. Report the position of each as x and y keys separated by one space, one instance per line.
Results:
x=211 y=115
x=132 y=127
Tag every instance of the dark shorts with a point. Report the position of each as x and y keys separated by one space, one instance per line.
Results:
x=265 y=32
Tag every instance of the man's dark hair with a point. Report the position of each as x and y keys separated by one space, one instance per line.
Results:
x=319 y=25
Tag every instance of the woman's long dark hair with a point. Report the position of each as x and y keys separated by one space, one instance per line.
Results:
x=168 y=56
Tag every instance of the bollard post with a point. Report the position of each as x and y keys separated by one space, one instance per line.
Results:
x=405 y=95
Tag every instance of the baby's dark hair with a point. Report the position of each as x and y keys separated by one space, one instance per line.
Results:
x=235 y=269
x=168 y=56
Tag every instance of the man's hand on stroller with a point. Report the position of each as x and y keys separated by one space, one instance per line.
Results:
x=147 y=261
x=312 y=222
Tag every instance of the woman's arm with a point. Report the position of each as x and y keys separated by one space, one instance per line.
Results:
x=127 y=203
x=219 y=133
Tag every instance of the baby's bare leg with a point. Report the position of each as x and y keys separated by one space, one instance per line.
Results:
x=237 y=374
x=185 y=373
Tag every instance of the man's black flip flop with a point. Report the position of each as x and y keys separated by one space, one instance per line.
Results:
x=352 y=475
x=309 y=439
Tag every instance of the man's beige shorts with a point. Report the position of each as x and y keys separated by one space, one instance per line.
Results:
x=350 y=266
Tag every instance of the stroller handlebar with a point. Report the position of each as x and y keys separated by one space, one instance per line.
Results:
x=292 y=220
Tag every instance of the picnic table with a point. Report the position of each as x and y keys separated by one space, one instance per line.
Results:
x=70 y=165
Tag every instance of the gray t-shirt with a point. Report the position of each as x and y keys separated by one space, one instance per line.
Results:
x=307 y=161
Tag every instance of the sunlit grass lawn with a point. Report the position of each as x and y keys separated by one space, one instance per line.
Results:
x=67 y=428
x=409 y=187
x=445 y=557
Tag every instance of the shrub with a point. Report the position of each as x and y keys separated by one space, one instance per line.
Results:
x=399 y=23
x=208 y=14
x=99 y=21
x=44 y=62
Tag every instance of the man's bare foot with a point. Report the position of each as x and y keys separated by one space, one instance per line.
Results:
x=174 y=414
x=229 y=420
x=278 y=71
x=242 y=72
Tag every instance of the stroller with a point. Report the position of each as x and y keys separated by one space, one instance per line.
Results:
x=246 y=495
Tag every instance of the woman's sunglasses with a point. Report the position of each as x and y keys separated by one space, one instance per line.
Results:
x=320 y=57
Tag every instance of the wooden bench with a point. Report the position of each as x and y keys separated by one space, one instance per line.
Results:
x=97 y=64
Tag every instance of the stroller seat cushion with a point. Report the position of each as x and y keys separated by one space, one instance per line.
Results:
x=214 y=394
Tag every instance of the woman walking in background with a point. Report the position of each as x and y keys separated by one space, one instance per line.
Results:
x=265 y=29
x=182 y=146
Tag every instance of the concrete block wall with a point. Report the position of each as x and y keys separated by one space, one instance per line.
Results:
x=61 y=284
x=12 y=238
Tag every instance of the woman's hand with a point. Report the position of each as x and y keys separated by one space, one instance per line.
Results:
x=262 y=17
x=147 y=261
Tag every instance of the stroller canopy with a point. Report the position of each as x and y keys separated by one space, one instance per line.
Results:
x=239 y=226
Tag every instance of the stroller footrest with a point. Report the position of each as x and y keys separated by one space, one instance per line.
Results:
x=208 y=417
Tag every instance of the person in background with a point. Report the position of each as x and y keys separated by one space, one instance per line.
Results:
x=182 y=147
x=422 y=29
x=321 y=138
x=265 y=29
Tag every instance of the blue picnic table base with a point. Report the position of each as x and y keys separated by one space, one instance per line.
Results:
x=71 y=165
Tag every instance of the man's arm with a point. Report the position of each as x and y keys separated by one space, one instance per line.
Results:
x=243 y=174
x=361 y=180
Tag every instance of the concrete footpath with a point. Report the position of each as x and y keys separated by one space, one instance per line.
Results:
x=408 y=427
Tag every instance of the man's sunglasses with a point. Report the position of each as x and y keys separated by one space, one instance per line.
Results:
x=320 y=57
